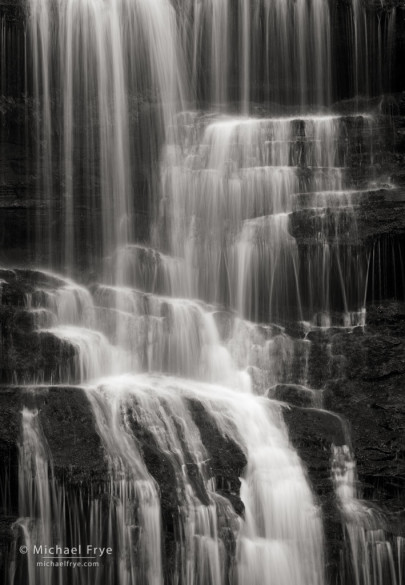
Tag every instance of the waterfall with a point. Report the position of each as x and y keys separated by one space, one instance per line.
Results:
x=281 y=534
x=231 y=190
x=86 y=83
x=218 y=116
x=36 y=496
x=277 y=28
x=372 y=555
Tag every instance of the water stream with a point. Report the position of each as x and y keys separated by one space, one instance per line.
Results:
x=196 y=315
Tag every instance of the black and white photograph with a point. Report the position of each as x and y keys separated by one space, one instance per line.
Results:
x=202 y=292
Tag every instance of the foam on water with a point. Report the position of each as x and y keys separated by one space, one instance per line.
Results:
x=253 y=222
x=374 y=560
x=281 y=517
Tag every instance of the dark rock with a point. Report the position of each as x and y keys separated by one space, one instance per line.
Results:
x=362 y=371
x=161 y=469
x=226 y=464
x=31 y=356
x=294 y=394
x=368 y=393
x=27 y=354
x=68 y=426
x=224 y=320
x=312 y=433
x=227 y=461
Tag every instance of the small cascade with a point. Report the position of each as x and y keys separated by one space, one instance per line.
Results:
x=139 y=407
x=93 y=354
x=375 y=558
x=268 y=354
x=165 y=334
x=50 y=518
x=127 y=407
x=67 y=313
x=134 y=523
x=54 y=520
x=36 y=499
x=235 y=192
x=281 y=534
x=71 y=304
x=148 y=270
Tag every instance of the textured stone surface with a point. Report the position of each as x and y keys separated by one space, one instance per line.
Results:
x=79 y=462
x=27 y=355
x=68 y=426
x=361 y=375
x=361 y=371
x=369 y=394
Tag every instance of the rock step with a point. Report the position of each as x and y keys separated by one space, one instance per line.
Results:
x=75 y=447
x=81 y=469
x=338 y=199
x=147 y=269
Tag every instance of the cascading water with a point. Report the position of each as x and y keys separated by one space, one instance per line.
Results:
x=301 y=34
x=375 y=560
x=191 y=333
x=229 y=189
x=85 y=76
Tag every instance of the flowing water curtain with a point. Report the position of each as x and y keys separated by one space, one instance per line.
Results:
x=277 y=51
x=285 y=53
x=235 y=190
x=94 y=63
x=371 y=556
x=230 y=186
x=48 y=514
x=88 y=82
x=130 y=410
x=280 y=533
x=35 y=498
x=124 y=514
x=134 y=524
x=206 y=42
x=372 y=44
x=200 y=552
x=296 y=38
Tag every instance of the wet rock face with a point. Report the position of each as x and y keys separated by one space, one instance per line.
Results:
x=379 y=207
x=80 y=465
x=313 y=432
x=66 y=419
x=227 y=461
x=25 y=211
x=360 y=374
x=68 y=427
x=29 y=355
x=369 y=395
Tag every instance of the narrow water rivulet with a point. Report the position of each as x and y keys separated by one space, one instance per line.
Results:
x=199 y=174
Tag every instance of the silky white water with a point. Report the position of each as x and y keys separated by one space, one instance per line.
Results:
x=232 y=188
x=376 y=561
x=190 y=325
x=98 y=56
x=281 y=517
